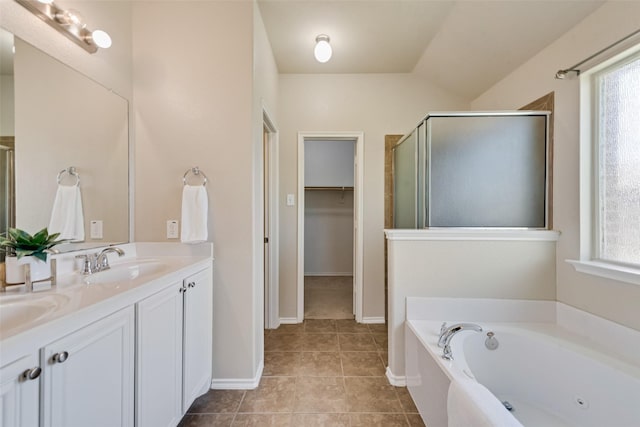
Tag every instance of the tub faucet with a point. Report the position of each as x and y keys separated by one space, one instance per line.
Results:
x=447 y=334
x=102 y=262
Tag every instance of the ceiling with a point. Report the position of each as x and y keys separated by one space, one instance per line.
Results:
x=462 y=46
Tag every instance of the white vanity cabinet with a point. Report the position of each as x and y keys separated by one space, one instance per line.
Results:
x=20 y=392
x=174 y=333
x=198 y=336
x=88 y=375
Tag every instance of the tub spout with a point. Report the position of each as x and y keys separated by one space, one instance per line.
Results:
x=448 y=334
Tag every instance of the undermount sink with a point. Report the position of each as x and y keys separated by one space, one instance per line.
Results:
x=16 y=310
x=125 y=271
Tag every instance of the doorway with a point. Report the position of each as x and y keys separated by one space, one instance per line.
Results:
x=330 y=180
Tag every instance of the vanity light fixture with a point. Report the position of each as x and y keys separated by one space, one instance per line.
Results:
x=323 y=50
x=69 y=23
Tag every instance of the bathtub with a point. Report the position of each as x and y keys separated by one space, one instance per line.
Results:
x=550 y=375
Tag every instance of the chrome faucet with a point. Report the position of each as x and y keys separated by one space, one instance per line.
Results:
x=447 y=333
x=94 y=263
x=102 y=262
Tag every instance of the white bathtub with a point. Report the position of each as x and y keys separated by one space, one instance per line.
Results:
x=550 y=375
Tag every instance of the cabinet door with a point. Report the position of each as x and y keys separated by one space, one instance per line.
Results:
x=88 y=375
x=159 y=358
x=197 y=336
x=20 y=393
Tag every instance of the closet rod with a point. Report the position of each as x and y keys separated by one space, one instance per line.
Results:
x=329 y=188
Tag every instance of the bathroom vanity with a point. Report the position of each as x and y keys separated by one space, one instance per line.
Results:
x=128 y=346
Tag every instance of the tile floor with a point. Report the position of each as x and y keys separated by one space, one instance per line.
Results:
x=328 y=297
x=322 y=372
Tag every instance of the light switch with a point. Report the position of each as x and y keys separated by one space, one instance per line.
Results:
x=172 y=229
x=96 y=229
x=291 y=199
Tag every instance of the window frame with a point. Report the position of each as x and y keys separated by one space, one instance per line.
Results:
x=590 y=261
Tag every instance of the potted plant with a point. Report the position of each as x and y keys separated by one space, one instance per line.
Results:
x=22 y=248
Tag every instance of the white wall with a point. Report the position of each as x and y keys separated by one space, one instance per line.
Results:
x=193 y=70
x=328 y=233
x=377 y=104
x=328 y=163
x=463 y=264
x=110 y=67
x=6 y=106
x=610 y=299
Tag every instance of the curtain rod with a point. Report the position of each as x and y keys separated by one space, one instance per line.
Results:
x=561 y=74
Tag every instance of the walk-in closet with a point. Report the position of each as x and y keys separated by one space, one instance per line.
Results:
x=328 y=229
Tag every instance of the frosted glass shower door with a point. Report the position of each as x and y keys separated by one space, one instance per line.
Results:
x=487 y=171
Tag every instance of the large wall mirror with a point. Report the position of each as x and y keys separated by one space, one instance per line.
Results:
x=54 y=118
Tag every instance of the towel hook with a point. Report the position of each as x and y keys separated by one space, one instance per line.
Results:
x=71 y=170
x=197 y=172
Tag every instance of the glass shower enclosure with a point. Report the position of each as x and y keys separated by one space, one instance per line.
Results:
x=473 y=169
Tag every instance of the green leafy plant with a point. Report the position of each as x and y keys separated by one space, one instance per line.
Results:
x=21 y=243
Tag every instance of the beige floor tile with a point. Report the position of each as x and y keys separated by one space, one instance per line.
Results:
x=406 y=400
x=321 y=420
x=283 y=342
x=362 y=363
x=282 y=363
x=381 y=341
x=378 y=328
x=351 y=326
x=262 y=420
x=320 y=325
x=378 y=420
x=328 y=297
x=320 y=342
x=371 y=394
x=296 y=328
x=320 y=395
x=217 y=402
x=357 y=342
x=415 y=420
x=274 y=394
x=384 y=355
x=207 y=420
x=320 y=364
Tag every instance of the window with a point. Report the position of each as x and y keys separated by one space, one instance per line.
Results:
x=616 y=139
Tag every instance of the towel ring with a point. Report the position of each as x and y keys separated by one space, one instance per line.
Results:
x=197 y=172
x=71 y=170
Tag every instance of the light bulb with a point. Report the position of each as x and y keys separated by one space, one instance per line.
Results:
x=101 y=39
x=323 y=50
x=45 y=1
x=70 y=17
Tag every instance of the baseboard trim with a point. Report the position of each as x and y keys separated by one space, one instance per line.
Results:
x=373 y=320
x=238 y=383
x=288 y=320
x=398 y=381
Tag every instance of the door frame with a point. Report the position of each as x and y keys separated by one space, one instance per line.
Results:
x=358 y=202
x=272 y=288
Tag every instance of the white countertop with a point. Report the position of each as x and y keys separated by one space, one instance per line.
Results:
x=73 y=304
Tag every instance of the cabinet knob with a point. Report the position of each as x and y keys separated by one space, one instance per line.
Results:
x=183 y=289
x=60 y=357
x=32 y=374
x=192 y=284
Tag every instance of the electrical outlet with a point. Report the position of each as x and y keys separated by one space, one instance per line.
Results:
x=172 y=229
x=96 y=229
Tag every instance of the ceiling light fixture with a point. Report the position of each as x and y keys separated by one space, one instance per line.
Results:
x=69 y=23
x=323 y=50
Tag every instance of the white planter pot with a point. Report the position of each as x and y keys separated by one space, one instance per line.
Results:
x=15 y=269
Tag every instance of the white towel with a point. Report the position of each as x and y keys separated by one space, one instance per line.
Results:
x=472 y=404
x=195 y=206
x=66 y=216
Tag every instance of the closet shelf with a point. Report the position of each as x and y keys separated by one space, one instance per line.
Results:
x=329 y=188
